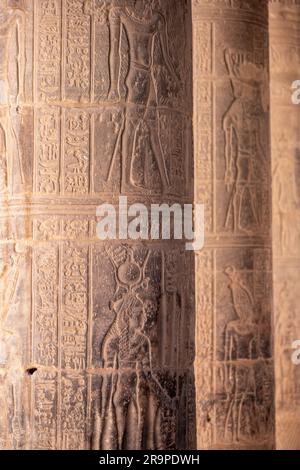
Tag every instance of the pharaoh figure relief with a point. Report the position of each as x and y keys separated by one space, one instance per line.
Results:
x=143 y=30
x=12 y=29
x=245 y=151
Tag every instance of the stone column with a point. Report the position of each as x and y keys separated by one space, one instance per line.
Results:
x=96 y=338
x=285 y=125
x=234 y=366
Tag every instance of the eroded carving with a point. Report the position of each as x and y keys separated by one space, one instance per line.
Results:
x=12 y=426
x=105 y=332
x=141 y=128
x=12 y=30
x=245 y=325
x=244 y=152
x=137 y=399
x=232 y=168
x=284 y=39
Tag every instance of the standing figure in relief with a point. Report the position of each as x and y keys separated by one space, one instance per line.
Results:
x=285 y=195
x=143 y=28
x=12 y=27
x=11 y=369
x=286 y=331
x=133 y=396
x=243 y=128
x=243 y=331
x=241 y=417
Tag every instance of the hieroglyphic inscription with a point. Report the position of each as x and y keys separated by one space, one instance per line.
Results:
x=135 y=347
x=45 y=408
x=48 y=151
x=203 y=95
x=74 y=399
x=97 y=104
x=45 y=277
x=76 y=153
x=48 y=16
x=78 y=50
x=147 y=153
x=74 y=314
x=285 y=69
x=234 y=285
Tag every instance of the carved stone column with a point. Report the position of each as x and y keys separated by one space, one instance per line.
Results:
x=234 y=367
x=96 y=338
x=285 y=125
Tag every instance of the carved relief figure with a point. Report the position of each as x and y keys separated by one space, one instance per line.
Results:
x=244 y=149
x=142 y=27
x=285 y=196
x=241 y=389
x=132 y=385
x=244 y=326
x=286 y=331
x=12 y=27
x=11 y=370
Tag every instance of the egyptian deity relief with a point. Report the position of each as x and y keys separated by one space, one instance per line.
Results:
x=14 y=422
x=12 y=82
x=143 y=352
x=244 y=147
x=285 y=66
x=133 y=86
x=234 y=276
x=95 y=101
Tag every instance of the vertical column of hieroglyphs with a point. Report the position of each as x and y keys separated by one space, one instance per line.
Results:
x=234 y=379
x=285 y=126
x=112 y=322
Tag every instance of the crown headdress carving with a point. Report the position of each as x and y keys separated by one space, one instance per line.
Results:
x=243 y=67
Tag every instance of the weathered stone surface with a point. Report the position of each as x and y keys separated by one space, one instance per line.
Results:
x=285 y=69
x=96 y=339
x=234 y=365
